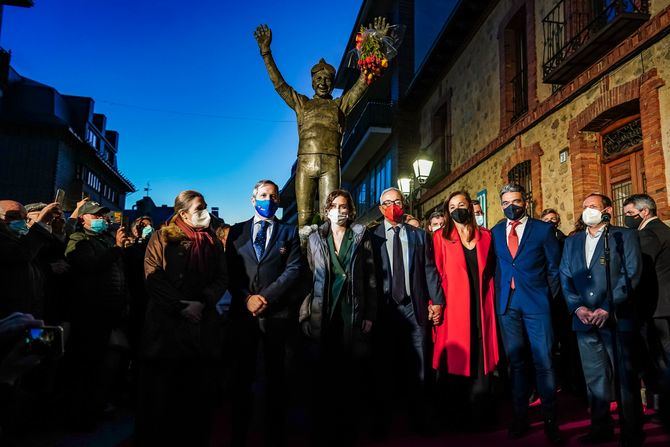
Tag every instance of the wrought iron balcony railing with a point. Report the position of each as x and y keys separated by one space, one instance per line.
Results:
x=579 y=32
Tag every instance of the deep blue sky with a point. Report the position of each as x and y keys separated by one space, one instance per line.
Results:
x=191 y=57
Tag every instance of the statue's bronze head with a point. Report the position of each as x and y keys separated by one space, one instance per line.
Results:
x=323 y=79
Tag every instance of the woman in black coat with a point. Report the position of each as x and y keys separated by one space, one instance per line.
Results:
x=186 y=275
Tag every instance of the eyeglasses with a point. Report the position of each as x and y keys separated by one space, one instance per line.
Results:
x=392 y=202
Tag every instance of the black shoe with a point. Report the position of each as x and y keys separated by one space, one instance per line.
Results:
x=518 y=429
x=552 y=432
x=597 y=437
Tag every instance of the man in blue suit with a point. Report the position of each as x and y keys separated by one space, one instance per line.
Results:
x=265 y=270
x=411 y=302
x=605 y=331
x=528 y=256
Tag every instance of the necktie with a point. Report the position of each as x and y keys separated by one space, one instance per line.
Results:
x=261 y=239
x=398 y=284
x=513 y=243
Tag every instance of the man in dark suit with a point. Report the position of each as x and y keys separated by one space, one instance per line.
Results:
x=411 y=301
x=605 y=327
x=265 y=267
x=653 y=295
x=528 y=256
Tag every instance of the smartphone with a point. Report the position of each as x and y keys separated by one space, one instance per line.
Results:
x=46 y=341
x=60 y=197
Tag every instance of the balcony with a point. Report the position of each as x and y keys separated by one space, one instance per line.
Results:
x=577 y=33
x=371 y=126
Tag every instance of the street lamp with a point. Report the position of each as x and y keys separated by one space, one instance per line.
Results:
x=405 y=186
x=422 y=167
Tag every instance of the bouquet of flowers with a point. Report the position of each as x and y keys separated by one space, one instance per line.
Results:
x=375 y=47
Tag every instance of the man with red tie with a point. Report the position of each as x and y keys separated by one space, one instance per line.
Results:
x=527 y=279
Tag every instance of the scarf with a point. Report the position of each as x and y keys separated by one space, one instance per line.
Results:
x=201 y=250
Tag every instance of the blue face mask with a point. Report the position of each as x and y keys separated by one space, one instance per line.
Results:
x=19 y=227
x=266 y=208
x=99 y=225
x=147 y=232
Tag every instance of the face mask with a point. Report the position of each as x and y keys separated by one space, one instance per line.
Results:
x=633 y=222
x=337 y=218
x=592 y=217
x=19 y=227
x=435 y=228
x=146 y=232
x=266 y=208
x=514 y=212
x=99 y=225
x=200 y=219
x=394 y=213
x=460 y=215
x=480 y=220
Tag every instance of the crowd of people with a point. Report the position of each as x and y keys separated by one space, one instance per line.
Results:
x=371 y=321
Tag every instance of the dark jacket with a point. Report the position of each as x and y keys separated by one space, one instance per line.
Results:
x=275 y=276
x=534 y=268
x=167 y=333
x=361 y=285
x=586 y=285
x=654 y=290
x=425 y=284
x=99 y=282
x=20 y=275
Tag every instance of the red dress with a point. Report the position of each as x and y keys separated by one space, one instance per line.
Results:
x=453 y=337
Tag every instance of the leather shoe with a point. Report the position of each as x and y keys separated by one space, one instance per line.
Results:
x=552 y=432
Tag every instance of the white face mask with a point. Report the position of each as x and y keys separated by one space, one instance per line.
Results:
x=337 y=218
x=435 y=228
x=480 y=220
x=592 y=217
x=200 y=219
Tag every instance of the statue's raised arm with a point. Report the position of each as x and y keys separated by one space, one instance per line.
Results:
x=263 y=35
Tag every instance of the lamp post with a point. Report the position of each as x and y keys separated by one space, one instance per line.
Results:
x=410 y=186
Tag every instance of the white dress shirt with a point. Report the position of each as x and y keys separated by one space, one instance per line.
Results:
x=591 y=244
x=519 y=229
x=644 y=224
x=390 y=234
x=257 y=226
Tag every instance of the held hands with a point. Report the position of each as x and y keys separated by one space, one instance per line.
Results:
x=600 y=317
x=435 y=314
x=256 y=304
x=193 y=311
x=585 y=315
x=263 y=35
x=367 y=326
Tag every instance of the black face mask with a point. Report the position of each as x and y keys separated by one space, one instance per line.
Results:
x=633 y=222
x=514 y=212
x=461 y=215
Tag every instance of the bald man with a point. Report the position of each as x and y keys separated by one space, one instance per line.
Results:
x=20 y=278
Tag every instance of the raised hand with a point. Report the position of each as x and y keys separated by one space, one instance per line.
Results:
x=263 y=35
x=380 y=25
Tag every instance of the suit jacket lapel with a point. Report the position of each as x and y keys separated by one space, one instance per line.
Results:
x=245 y=245
x=386 y=264
x=500 y=239
x=526 y=235
x=598 y=252
x=411 y=244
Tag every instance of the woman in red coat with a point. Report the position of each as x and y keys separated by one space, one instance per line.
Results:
x=466 y=344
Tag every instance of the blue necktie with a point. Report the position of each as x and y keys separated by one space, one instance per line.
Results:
x=261 y=239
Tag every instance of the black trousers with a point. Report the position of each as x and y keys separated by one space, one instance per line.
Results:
x=175 y=403
x=601 y=363
x=271 y=336
x=403 y=350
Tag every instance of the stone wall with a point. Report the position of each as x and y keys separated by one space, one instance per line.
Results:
x=483 y=148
